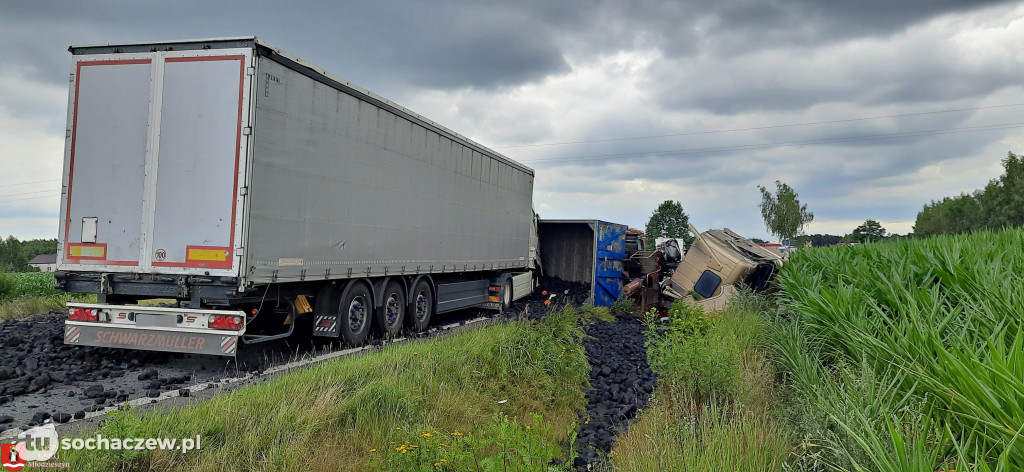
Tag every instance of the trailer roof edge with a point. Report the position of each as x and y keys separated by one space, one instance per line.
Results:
x=255 y=43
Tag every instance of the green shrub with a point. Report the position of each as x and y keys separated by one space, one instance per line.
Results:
x=695 y=353
x=6 y=286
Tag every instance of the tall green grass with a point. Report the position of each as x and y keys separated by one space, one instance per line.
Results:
x=21 y=284
x=29 y=293
x=472 y=399
x=715 y=405
x=910 y=353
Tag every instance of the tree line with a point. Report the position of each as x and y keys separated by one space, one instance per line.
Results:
x=784 y=217
x=999 y=205
x=15 y=254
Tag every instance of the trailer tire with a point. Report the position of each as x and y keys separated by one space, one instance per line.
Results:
x=506 y=295
x=421 y=307
x=389 y=317
x=355 y=313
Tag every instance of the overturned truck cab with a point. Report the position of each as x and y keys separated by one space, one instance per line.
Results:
x=717 y=264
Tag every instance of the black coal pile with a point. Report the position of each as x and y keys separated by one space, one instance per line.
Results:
x=552 y=293
x=35 y=363
x=33 y=357
x=621 y=382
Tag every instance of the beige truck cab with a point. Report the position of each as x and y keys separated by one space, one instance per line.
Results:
x=718 y=262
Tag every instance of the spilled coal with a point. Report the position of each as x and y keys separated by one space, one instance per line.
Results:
x=621 y=383
x=41 y=379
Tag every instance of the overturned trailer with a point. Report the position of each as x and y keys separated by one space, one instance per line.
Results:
x=587 y=251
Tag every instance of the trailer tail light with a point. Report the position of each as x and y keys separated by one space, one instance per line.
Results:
x=83 y=314
x=233 y=323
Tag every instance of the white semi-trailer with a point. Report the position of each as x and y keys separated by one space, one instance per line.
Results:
x=248 y=188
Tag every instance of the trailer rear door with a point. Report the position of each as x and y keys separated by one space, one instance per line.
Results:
x=154 y=161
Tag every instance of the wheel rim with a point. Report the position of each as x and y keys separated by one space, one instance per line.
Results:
x=421 y=306
x=357 y=314
x=506 y=298
x=393 y=310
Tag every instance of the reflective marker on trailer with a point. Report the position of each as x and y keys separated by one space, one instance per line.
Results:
x=228 y=344
x=72 y=333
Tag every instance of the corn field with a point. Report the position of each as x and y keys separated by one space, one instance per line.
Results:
x=910 y=354
x=27 y=284
x=23 y=294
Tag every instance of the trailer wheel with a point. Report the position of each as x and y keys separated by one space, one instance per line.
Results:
x=355 y=313
x=506 y=295
x=391 y=315
x=421 y=307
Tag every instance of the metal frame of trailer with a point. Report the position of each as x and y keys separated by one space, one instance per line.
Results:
x=224 y=172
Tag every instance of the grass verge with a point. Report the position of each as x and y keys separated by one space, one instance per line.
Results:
x=23 y=294
x=715 y=405
x=503 y=397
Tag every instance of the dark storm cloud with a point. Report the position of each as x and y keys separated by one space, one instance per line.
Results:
x=740 y=26
x=449 y=44
x=443 y=45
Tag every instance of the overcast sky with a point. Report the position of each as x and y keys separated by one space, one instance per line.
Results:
x=868 y=108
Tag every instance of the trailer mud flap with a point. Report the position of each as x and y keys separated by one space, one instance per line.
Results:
x=216 y=344
x=326 y=325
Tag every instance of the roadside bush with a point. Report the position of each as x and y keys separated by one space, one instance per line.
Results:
x=624 y=305
x=6 y=286
x=697 y=352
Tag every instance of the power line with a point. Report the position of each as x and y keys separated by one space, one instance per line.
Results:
x=693 y=133
x=778 y=145
x=26 y=193
x=26 y=183
x=32 y=198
